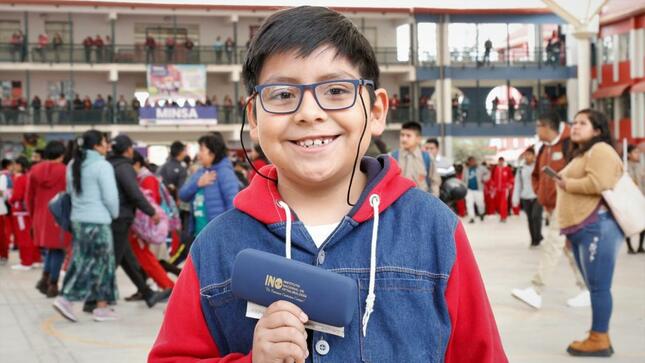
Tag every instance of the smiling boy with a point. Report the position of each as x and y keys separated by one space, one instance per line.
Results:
x=314 y=104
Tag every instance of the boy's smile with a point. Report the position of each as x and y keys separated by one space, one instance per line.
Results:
x=312 y=145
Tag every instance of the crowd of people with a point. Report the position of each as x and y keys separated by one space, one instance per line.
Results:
x=117 y=202
x=61 y=110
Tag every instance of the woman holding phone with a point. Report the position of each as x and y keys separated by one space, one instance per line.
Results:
x=587 y=222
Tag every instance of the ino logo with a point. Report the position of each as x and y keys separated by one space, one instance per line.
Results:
x=272 y=281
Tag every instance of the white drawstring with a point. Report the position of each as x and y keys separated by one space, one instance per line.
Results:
x=287 y=211
x=375 y=200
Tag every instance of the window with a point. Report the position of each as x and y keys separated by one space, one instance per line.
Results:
x=623 y=47
x=61 y=27
x=427 y=33
x=608 y=49
x=403 y=43
x=162 y=31
x=7 y=28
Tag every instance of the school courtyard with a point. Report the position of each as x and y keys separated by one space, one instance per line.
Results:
x=30 y=330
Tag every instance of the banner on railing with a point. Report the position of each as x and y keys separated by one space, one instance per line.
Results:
x=174 y=82
x=199 y=115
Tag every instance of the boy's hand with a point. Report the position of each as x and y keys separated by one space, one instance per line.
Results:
x=280 y=335
x=207 y=178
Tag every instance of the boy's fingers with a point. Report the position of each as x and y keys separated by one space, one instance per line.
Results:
x=281 y=319
x=282 y=305
x=288 y=335
x=286 y=351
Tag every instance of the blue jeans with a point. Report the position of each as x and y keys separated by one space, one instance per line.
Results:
x=54 y=262
x=595 y=248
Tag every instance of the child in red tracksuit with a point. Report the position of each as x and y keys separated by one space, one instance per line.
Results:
x=141 y=249
x=21 y=221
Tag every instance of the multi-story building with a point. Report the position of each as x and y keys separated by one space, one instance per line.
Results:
x=462 y=73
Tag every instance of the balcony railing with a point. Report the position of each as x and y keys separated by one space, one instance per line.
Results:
x=514 y=57
x=139 y=53
x=229 y=115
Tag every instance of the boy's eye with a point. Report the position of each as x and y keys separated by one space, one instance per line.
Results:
x=282 y=93
x=337 y=89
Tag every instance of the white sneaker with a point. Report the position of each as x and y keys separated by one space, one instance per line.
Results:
x=37 y=265
x=581 y=300
x=21 y=267
x=528 y=296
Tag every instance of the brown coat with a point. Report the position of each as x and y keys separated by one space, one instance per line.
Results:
x=586 y=177
x=553 y=156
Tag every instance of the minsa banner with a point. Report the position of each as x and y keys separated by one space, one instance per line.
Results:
x=200 y=115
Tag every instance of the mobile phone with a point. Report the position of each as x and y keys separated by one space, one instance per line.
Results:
x=550 y=172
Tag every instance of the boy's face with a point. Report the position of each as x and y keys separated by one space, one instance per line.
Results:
x=282 y=136
x=409 y=139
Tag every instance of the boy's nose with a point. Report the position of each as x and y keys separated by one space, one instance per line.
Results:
x=309 y=110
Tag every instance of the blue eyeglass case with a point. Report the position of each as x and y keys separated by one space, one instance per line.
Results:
x=264 y=278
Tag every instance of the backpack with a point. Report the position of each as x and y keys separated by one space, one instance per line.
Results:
x=427 y=161
x=169 y=207
x=61 y=208
x=145 y=228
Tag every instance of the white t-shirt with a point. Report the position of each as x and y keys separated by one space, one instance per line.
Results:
x=320 y=233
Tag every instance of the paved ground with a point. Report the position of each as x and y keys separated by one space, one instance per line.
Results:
x=30 y=331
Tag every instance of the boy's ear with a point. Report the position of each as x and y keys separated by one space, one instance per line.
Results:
x=253 y=122
x=379 y=112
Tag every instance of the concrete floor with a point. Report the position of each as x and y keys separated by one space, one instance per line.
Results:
x=30 y=331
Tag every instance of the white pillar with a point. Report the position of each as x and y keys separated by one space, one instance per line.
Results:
x=584 y=69
x=447 y=101
x=572 y=98
x=617 y=116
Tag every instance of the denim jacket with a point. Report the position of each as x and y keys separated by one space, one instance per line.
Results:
x=430 y=303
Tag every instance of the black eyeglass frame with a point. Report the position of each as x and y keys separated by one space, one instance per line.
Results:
x=312 y=86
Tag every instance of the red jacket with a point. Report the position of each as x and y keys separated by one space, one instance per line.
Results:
x=45 y=180
x=17 y=200
x=502 y=178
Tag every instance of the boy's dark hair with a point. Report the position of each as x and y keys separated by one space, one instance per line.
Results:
x=599 y=122
x=434 y=141
x=54 y=150
x=121 y=143
x=412 y=125
x=630 y=148
x=530 y=149
x=138 y=158
x=304 y=29
x=215 y=145
x=550 y=119
x=176 y=148
x=23 y=162
x=6 y=163
x=40 y=152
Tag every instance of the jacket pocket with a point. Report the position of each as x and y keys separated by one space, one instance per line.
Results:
x=409 y=322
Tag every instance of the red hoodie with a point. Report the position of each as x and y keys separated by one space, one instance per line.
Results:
x=46 y=179
x=190 y=332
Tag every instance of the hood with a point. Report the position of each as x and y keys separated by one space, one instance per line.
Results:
x=260 y=199
x=48 y=174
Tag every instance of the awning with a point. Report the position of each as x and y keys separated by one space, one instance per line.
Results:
x=639 y=87
x=610 y=91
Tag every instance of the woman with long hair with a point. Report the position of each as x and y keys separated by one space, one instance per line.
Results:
x=95 y=202
x=587 y=222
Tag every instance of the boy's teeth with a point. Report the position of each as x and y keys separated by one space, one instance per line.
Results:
x=314 y=142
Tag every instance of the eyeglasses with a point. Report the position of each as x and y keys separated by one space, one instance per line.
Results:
x=285 y=98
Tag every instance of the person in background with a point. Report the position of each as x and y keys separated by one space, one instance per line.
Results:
x=586 y=221
x=6 y=186
x=150 y=45
x=130 y=198
x=57 y=43
x=554 y=153
x=258 y=160
x=524 y=196
x=211 y=189
x=43 y=43
x=170 y=48
x=218 y=47
x=29 y=253
x=88 y=43
x=36 y=105
x=476 y=176
x=637 y=173
x=173 y=172
x=46 y=179
x=416 y=164
x=92 y=186
x=502 y=178
x=36 y=157
x=150 y=185
x=49 y=109
x=444 y=164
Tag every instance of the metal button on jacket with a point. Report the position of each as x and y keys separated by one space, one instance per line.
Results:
x=322 y=347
